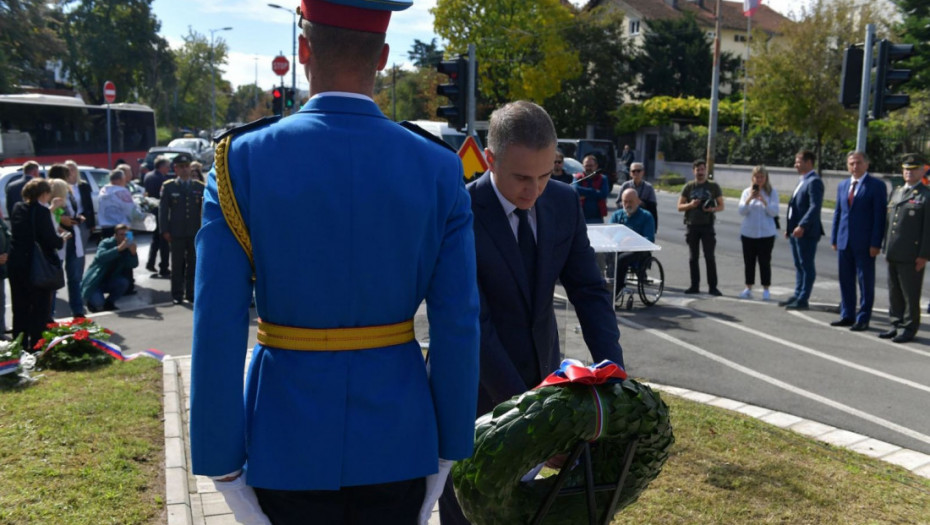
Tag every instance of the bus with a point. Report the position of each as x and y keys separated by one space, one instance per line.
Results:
x=53 y=128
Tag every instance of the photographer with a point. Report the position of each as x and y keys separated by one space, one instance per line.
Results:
x=116 y=257
x=759 y=207
x=700 y=199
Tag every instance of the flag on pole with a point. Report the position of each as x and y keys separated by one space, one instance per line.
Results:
x=750 y=6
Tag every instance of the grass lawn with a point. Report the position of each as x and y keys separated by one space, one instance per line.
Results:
x=726 y=468
x=84 y=448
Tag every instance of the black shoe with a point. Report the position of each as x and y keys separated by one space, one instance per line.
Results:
x=843 y=322
x=92 y=309
x=190 y=300
x=131 y=292
x=889 y=334
x=151 y=268
x=715 y=292
x=797 y=305
x=859 y=327
x=108 y=306
x=905 y=336
x=787 y=301
x=692 y=290
x=165 y=274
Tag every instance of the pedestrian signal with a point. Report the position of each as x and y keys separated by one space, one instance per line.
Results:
x=277 y=101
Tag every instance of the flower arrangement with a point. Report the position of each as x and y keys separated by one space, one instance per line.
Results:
x=148 y=204
x=73 y=344
x=10 y=354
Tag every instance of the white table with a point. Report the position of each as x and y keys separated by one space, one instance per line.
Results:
x=616 y=239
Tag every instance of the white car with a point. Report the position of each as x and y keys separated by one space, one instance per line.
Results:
x=203 y=150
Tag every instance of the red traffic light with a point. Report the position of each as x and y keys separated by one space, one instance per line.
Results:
x=276 y=93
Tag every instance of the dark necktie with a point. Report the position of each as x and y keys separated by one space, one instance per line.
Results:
x=527 y=245
x=852 y=192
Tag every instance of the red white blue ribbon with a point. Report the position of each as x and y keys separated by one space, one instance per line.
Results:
x=8 y=367
x=110 y=349
x=572 y=371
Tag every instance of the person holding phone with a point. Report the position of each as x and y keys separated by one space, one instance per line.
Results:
x=758 y=206
x=700 y=200
x=106 y=281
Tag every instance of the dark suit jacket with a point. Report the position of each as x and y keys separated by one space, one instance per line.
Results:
x=520 y=344
x=804 y=207
x=87 y=203
x=14 y=193
x=863 y=225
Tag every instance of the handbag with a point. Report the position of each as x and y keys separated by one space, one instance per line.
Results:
x=44 y=274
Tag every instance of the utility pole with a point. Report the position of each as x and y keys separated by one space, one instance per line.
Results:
x=714 y=99
x=863 y=129
x=293 y=52
x=213 y=83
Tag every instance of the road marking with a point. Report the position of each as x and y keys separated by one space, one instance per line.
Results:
x=896 y=346
x=781 y=384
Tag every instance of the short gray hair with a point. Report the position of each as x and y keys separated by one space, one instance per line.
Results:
x=522 y=123
x=865 y=156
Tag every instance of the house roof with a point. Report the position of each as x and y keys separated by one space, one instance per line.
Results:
x=731 y=13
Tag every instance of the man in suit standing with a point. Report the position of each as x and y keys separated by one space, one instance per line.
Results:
x=907 y=249
x=803 y=229
x=14 y=190
x=528 y=234
x=858 y=228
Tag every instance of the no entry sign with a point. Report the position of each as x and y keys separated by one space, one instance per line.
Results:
x=280 y=65
x=109 y=91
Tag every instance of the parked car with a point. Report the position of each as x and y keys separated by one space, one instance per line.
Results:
x=203 y=150
x=603 y=150
x=95 y=177
x=148 y=163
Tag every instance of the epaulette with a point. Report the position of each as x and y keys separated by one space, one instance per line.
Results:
x=426 y=134
x=255 y=124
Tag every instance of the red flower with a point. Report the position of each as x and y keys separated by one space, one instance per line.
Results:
x=39 y=345
x=107 y=331
x=80 y=335
x=52 y=326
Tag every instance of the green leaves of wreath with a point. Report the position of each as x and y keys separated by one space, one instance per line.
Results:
x=530 y=428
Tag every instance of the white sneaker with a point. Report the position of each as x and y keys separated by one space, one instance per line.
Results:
x=746 y=294
x=765 y=295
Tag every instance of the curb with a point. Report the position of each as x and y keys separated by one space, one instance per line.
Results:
x=177 y=491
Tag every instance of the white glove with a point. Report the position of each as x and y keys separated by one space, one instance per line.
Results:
x=434 y=485
x=242 y=501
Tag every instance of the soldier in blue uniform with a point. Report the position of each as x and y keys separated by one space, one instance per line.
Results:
x=339 y=419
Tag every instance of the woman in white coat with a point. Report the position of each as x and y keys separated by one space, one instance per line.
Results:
x=759 y=207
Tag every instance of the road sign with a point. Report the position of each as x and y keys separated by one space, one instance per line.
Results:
x=280 y=65
x=109 y=92
x=473 y=162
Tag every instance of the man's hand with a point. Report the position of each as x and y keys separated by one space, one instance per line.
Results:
x=798 y=232
x=918 y=265
x=3 y=257
x=834 y=247
x=132 y=248
x=166 y=236
x=873 y=251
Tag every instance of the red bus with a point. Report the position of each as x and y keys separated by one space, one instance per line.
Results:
x=52 y=128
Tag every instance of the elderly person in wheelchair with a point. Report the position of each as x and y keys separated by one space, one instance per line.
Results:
x=636 y=218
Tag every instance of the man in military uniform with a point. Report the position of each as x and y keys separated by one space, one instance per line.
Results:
x=907 y=249
x=179 y=219
x=339 y=420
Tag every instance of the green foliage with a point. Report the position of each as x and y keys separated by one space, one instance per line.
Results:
x=662 y=111
x=415 y=93
x=194 y=90
x=597 y=36
x=915 y=29
x=425 y=54
x=521 y=50
x=245 y=102
x=532 y=427
x=76 y=351
x=163 y=135
x=28 y=39
x=676 y=60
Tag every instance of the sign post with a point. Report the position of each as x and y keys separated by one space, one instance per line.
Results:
x=280 y=66
x=109 y=94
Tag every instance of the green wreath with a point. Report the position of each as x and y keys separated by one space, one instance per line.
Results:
x=527 y=429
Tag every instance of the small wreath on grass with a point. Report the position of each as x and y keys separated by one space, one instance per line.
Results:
x=81 y=343
x=596 y=404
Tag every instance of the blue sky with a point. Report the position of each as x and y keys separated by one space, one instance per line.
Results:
x=260 y=32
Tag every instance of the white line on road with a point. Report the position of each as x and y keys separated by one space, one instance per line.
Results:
x=781 y=384
x=896 y=346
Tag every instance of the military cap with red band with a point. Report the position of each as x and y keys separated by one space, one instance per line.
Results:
x=370 y=16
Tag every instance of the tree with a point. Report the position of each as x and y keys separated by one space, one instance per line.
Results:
x=413 y=91
x=915 y=29
x=112 y=40
x=794 y=81
x=520 y=48
x=605 y=56
x=28 y=39
x=244 y=102
x=423 y=54
x=677 y=60
x=194 y=91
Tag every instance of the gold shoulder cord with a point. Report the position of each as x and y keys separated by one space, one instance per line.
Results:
x=228 y=200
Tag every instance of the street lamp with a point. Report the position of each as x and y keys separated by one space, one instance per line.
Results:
x=213 y=83
x=294 y=46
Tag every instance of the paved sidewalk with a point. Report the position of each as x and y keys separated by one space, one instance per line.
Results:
x=192 y=500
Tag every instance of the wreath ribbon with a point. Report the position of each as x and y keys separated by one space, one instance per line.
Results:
x=8 y=367
x=110 y=349
x=572 y=371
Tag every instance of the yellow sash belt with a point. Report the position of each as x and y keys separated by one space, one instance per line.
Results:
x=334 y=339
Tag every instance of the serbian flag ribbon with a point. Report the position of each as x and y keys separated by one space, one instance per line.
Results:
x=110 y=349
x=573 y=371
x=750 y=6
x=8 y=367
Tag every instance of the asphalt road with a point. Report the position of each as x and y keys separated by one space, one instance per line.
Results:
x=747 y=350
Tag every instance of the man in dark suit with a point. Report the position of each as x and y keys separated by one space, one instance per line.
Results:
x=14 y=190
x=528 y=234
x=803 y=229
x=858 y=228
x=907 y=249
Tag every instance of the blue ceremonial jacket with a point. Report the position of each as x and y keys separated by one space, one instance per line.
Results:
x=354 y=221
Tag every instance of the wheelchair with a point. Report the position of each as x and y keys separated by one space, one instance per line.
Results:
x=645 y=278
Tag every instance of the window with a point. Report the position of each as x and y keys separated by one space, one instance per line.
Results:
x=634 y=27
x=740 y=38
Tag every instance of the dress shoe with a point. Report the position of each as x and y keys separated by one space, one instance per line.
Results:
x=150 y=267
x=859 y=327
x=108 y=306
x=843 y=322
x=165 y=274
x=797 y=305
x=889 y=334
x=905 y=336
x=715 y=292
x=177 y=301
x=692 y=290
x=788 y=301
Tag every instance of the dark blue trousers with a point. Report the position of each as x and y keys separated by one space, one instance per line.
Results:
x=856 y=266
x=804 y=250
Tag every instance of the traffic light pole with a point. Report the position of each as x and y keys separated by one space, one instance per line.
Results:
x=470 y=103
x=862 y=133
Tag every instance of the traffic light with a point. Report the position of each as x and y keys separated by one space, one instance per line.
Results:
x=851 y=86
x=277 y=101
x=288 y=98
x=887 y=78
x=456 y=91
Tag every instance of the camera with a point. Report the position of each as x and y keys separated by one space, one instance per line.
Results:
x=755 y=187
x=709 y=204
